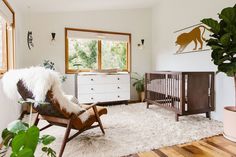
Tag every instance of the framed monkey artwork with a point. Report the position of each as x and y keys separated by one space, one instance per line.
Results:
x=192 y=39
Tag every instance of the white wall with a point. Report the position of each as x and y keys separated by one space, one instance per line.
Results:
x=137 y=22
x=10 y=109
x=169 y=16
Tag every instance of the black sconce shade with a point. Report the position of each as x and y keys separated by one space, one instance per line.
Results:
x=140 y=45
x=53 y=36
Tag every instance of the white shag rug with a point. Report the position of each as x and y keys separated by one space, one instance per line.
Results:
x=133 y=128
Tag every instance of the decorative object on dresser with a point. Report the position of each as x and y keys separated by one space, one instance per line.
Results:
x=185 y=93
x=103 y=87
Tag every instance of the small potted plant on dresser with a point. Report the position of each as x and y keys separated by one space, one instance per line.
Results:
x=223 y=45
x=139 y=85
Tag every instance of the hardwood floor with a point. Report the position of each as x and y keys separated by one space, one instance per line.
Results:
x=216 y=146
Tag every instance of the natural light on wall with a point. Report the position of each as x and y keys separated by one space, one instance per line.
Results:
x=97 y=50
x=6 y=37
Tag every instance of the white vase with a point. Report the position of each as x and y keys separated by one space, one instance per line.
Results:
x=229 y=123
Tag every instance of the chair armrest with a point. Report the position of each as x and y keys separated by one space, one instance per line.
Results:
x=90 y=106
x=87 y=108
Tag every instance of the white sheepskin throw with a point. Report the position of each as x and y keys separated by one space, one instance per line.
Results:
x=39 y=81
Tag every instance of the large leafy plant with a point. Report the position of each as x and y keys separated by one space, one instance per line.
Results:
x=24 y=139
x=138 y=82
x=223 y=41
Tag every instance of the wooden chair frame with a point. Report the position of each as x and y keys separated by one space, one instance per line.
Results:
x=64 y=119
x=68 y=124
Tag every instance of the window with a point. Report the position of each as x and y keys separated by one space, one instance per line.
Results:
x=6 y=37
x=94 y=50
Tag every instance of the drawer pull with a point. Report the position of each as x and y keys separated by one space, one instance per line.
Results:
x=92 y=98
x=91 y=88
x=118 y=96
x=118 y=78
x=118 y=87
x=92 y=80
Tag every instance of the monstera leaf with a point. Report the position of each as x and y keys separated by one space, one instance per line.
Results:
x=23 y=140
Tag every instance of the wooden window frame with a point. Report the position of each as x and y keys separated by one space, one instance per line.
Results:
x=128 y=54
x=4 y=67
x=6 y=53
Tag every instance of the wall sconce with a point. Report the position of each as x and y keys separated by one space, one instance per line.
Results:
x=53 y=36
x=141 y=45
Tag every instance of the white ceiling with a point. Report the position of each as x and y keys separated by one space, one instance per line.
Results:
x=81 y=5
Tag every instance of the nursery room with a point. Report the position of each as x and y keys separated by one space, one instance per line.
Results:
x=107 y=78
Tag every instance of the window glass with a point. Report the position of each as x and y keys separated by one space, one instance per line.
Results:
x=114 y=55
x=84 y=52
x=96 y=50
x=2 y=43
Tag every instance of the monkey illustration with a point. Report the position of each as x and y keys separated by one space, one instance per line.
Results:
x=195 y=35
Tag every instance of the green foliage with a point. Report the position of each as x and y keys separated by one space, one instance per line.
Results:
x=24 y=140
x=223 y=40
x=138 y=82
x=47 y=139
x=85 y=54
x=50 y=65
x=114 y=55
x=7 y=136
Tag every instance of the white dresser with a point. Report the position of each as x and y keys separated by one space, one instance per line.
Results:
x=99 y=87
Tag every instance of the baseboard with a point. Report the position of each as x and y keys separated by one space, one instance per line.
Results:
x=229 y=137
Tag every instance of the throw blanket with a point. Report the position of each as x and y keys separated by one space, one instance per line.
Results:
x=39 y=80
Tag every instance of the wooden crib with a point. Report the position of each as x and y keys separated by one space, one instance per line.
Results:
x=185 y=93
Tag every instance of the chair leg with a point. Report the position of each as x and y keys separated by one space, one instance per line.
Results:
x=67 y=133
x=22 y=115
x=36 y=120
x=98 y=119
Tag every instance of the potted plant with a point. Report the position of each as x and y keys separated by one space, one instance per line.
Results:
x=139 y=85
x=223 y=46
x=23 y=138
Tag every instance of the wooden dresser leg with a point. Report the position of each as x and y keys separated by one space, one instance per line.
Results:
x=208 y=115
x=176 y=117
x=148 y=105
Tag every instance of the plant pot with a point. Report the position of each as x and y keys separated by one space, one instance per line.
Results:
x=229 y=123
x=141 y=96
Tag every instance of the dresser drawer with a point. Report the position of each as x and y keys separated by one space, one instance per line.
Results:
x=105 y=97
x=105 y=88
x=103 y=79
